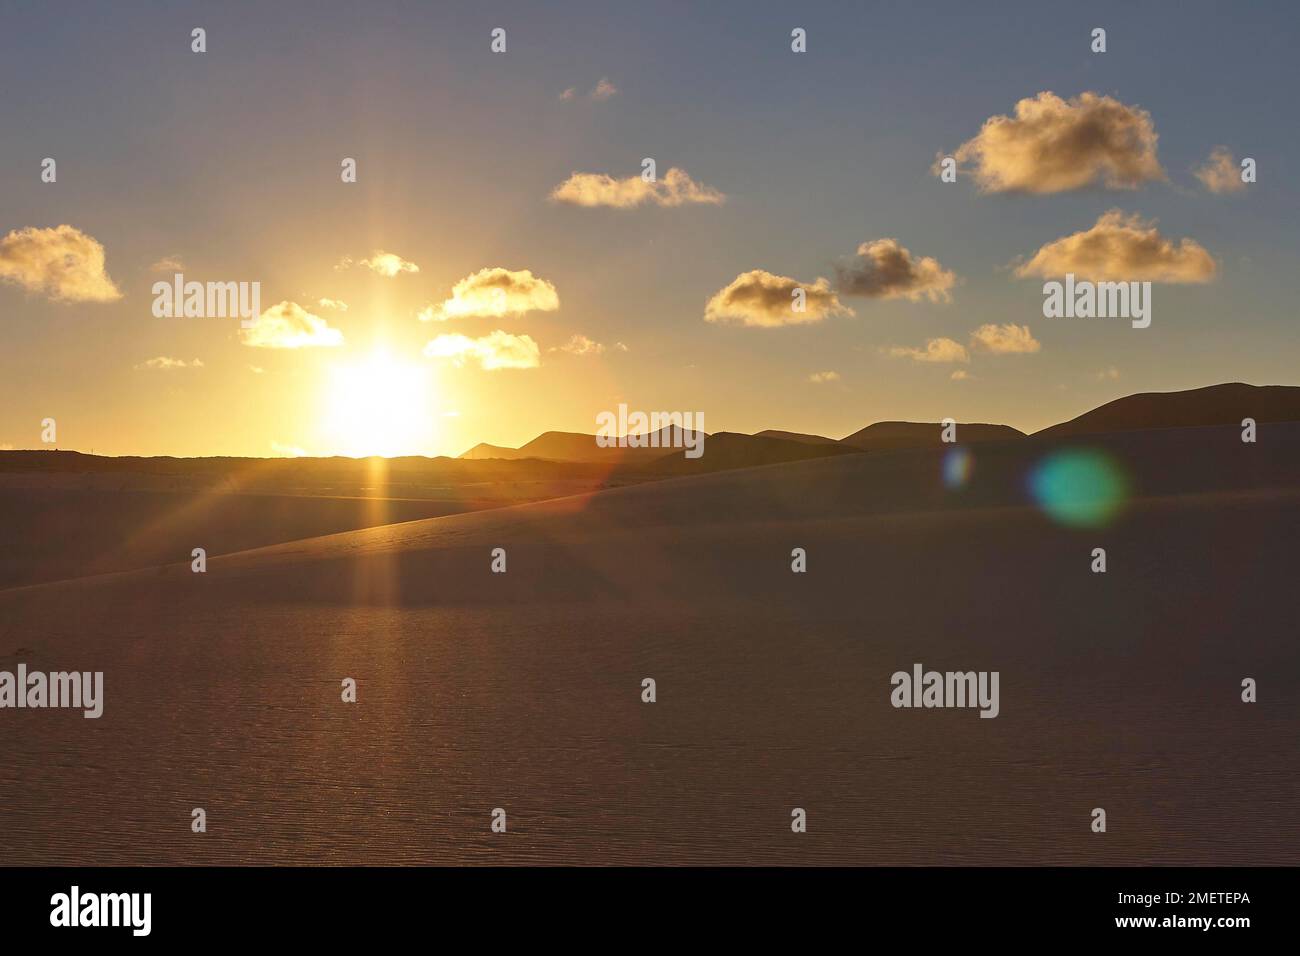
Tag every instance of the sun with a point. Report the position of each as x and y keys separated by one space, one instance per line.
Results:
x=378 y=406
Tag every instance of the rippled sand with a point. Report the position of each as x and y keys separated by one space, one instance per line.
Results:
x=522 y=690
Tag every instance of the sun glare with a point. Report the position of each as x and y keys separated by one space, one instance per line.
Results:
x=379 y=406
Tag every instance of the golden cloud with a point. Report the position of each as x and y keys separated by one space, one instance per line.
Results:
x=495 y=293
x=936 y=350
x=289 y=326
x=1220 y=173
x=1054 y=145
x=1004 y=340
x=674 y=188
x=762 y=300
x=387 y=264
x=1121 y=248
x=495 y=351
x=165 y=363
x=884 y=269
x=63 y=264
x=168 y=264
x=581 y=345
x=603 y=90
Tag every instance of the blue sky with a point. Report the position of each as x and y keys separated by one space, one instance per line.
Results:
x=229 y=160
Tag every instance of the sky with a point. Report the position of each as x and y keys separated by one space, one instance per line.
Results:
x=522 y=172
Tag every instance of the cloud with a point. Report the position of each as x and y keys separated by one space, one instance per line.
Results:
x=602 y=91
x=338 y=305
x=286 y=451
x=1054 y=145
x=495 y=351
x=581 y=345
x=960 y=375
x=674 y=188
x=495 y=292
x=164 y=364
x=1121 y=248
x=168 y=264
x=886 y=270
x=762 y=300
x=289 y=326
x=388 y=264
x=1221 y=172
x=256 y=370
x=1108 y=374
x=1004 y=340
x=64 y=264
x=820 y=378
x=936 y=350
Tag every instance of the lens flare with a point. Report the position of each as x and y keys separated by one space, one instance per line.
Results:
x=1083 y=488
x=957 y=464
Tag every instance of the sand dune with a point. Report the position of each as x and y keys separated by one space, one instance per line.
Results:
x=522 y=690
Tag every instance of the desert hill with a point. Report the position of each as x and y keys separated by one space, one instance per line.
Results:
x=884 y=436
x=577 y=446
x=728 y=450
x=1225 y=404
x=795 y=436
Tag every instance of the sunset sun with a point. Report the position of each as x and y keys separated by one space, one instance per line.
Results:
x=378 y=406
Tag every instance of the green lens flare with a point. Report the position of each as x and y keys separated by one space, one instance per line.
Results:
x=1083 y=488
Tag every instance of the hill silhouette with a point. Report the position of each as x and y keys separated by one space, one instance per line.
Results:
x=1225 y=404
x=884 y=436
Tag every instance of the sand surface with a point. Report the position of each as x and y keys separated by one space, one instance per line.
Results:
x=522 y=690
